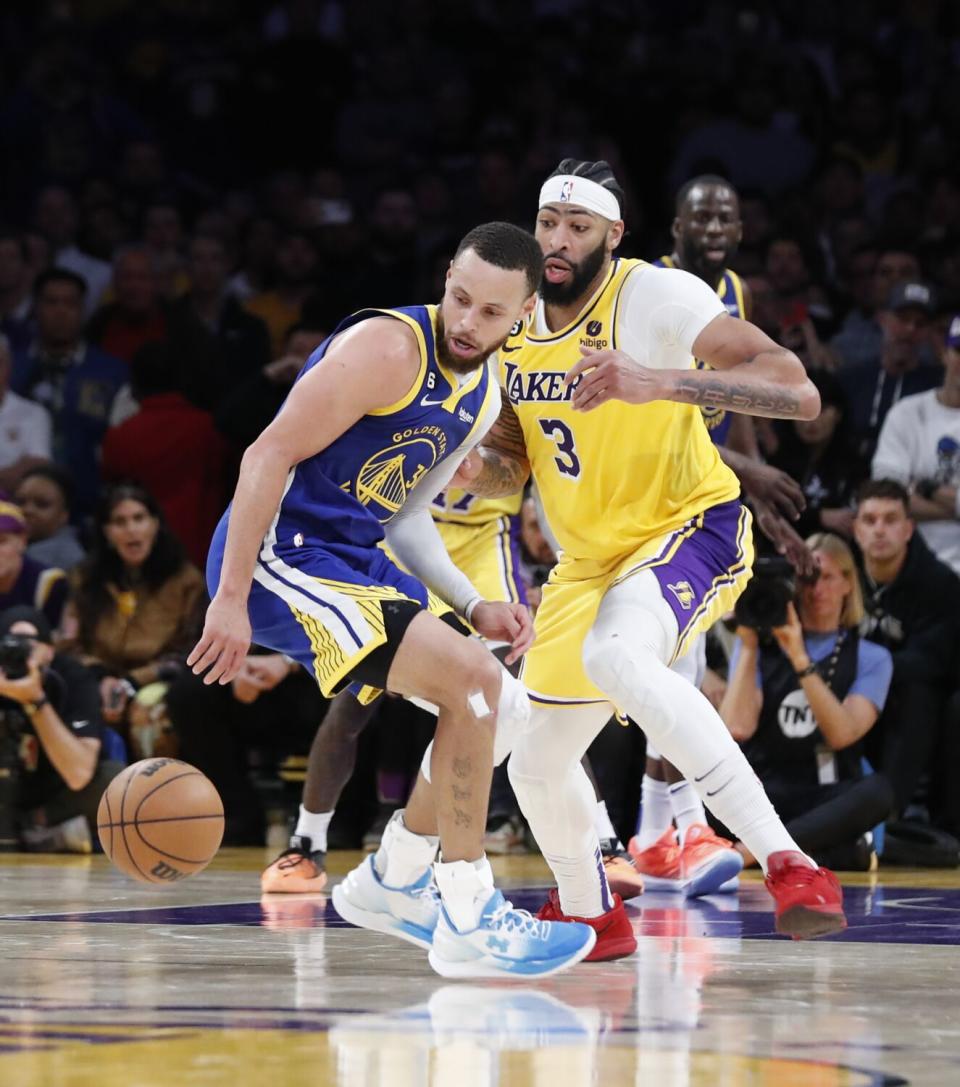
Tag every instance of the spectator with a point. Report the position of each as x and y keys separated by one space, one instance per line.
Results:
x=273 y=705
x=23 y=580
x=16 y=305
x=874 y=386
x=392 y=258
x=912 y=607
x=25 y=436
x=172 y=449
x=791 y=269
x=860 y=339
x=57 y=219
x=81 y=387
x=139 y=315
x=802 y=702
x=44 y=497
x=820 y=456
x=256 y=266
x=163 y=238
x=60 y=758
x=136 y=602
x=281 y=307
x=246 y=409
x=920 y=447
x=243 y=340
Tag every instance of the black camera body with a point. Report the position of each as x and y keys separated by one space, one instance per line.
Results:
x=763 y=603
x=14 y=654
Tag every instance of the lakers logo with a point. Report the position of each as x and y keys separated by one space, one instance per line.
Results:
x=387 y=477
x=684 y=593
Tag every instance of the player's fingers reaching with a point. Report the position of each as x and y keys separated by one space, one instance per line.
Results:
x=593 y=397
x=525 y=634
x=588 y=362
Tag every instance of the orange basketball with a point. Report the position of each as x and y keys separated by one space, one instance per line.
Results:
x=160 y=820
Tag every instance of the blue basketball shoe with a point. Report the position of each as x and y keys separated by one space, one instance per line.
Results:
x=410 y=912
x=507 y=942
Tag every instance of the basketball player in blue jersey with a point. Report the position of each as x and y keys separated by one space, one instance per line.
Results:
x=373 y=429
x=602 y=408
x=692 y=860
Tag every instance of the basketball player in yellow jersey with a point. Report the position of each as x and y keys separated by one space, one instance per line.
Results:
x=480 y=536
x=603 y=408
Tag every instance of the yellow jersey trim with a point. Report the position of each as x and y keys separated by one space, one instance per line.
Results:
x=411 y=395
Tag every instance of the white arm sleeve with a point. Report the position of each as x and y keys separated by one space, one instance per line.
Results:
x=893 y=458
x=662 y=312
x=413 y=536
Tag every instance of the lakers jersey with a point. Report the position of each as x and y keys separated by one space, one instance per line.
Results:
x=345 y=494
x=612 y=478
x=730 y=292
x=457 y=507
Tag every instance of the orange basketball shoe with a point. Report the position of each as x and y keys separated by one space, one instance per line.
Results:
x=659 y=864
x=708 y=863
x=809 y=900
x=622 y=878
x=615 y=938
x=298 y=870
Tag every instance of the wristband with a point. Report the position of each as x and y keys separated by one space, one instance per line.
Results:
x=30 y=708
x=810 y=670
x=468 y=610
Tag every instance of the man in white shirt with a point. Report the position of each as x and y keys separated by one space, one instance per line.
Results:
x=24 y=428
x=919 y=446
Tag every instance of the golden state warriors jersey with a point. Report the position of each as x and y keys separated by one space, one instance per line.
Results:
x=730 y=292
x=343 y=495
x=619 y=475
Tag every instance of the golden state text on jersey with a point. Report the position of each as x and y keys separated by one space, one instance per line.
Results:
x=730 y=292
x=346 y=493
x=619 y=475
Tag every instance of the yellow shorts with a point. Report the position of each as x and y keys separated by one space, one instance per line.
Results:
x=489 y=555
x=702 y=568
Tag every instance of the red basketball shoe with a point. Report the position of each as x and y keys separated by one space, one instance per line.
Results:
x=615 y=938
x=809 y=900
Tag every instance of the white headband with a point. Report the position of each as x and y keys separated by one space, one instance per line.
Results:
x=570 y=189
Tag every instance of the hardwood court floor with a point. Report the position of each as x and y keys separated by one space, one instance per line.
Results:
x=106 y=983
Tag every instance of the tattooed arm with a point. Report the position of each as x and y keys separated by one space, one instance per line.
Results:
x=498 y=466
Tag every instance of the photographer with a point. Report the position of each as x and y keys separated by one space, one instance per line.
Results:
x=804 y=690
x=52 y=766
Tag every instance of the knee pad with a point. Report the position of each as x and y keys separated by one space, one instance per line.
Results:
x=627 y=674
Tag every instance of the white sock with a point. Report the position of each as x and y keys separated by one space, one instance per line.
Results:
x=687 y=807
x=601 y=822
x=656 y=814
x=465 y=888
x=314 y=825
x=403 y=856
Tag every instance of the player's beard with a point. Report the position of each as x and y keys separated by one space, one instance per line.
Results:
x=582 y=275
x=455 y=362
x=695 y=260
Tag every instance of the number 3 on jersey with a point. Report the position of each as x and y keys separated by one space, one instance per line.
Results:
x=567 y=461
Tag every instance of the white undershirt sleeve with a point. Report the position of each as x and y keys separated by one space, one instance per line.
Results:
x=413 y=536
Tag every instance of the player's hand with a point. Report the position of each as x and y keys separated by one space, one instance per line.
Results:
x=500 y=622
x=224 y=643
x=470 y=467
x=611 y=375
x=773 y=487
x=785 y=539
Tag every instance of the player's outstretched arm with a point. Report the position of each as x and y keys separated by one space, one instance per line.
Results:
x=498 y=466
x=370 y=366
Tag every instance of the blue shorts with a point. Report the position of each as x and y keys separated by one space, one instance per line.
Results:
x=327 y=607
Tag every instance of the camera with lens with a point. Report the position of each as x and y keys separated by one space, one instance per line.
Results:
x=763 y=603
x=14 y=655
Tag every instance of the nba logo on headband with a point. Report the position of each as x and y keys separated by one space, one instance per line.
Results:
x=566 y=192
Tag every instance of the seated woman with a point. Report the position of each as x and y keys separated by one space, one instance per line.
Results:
x=800 y=702
x=137 y=604
x=44 y=494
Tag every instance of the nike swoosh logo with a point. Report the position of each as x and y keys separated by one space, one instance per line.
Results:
x=722 y=787
x=427 y=403
x=507 y=350
x=703 y=777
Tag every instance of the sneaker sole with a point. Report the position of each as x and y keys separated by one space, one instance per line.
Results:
x=612 y=949
x=804 y=923
x=717 y=874
x=662 y=883
x=379 y=922
x=488 y=967
x=292 y=885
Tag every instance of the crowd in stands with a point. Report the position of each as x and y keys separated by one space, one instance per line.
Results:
x=193 y=195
